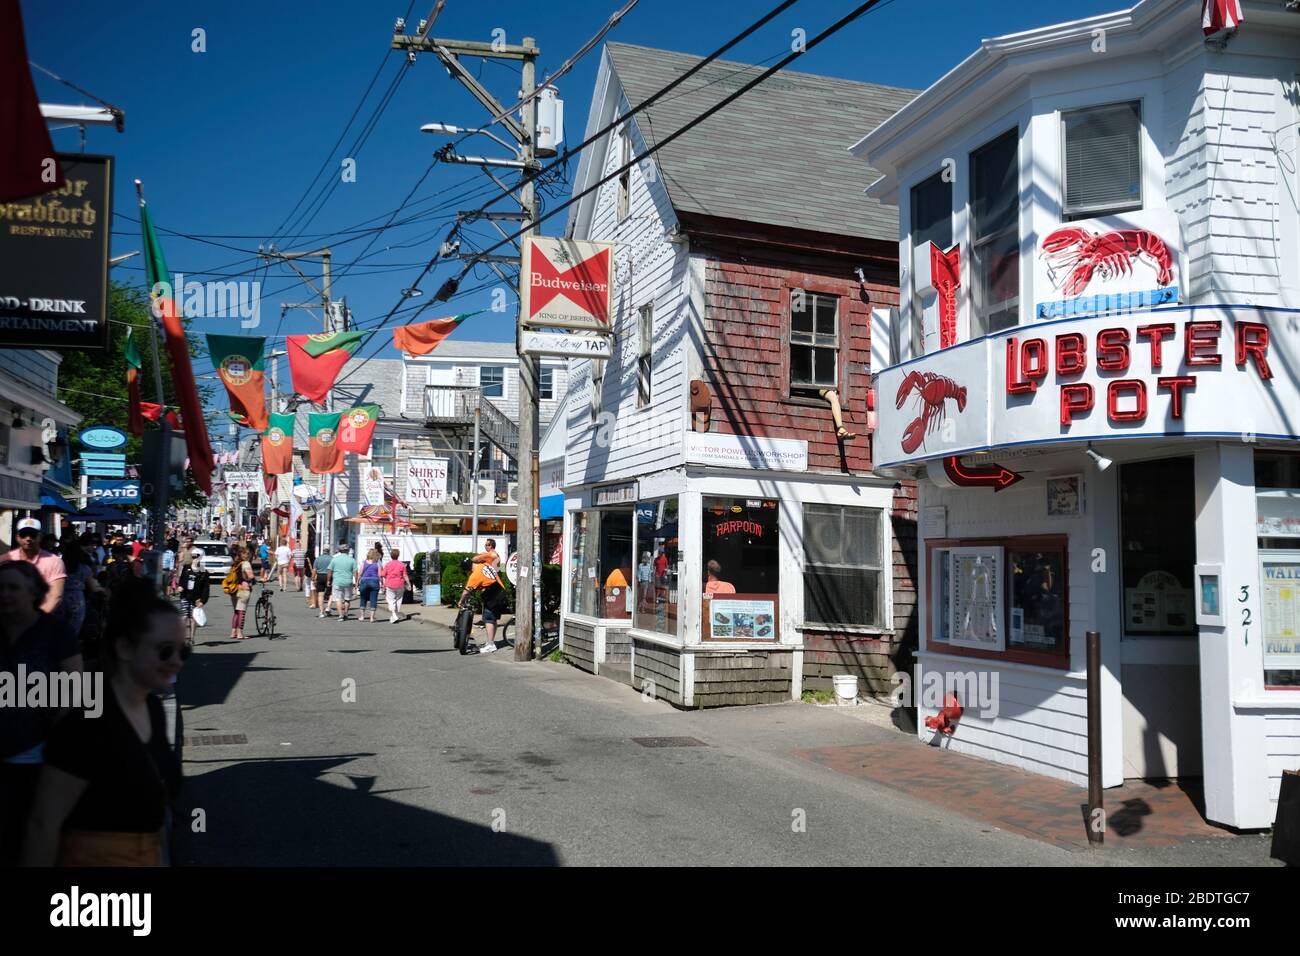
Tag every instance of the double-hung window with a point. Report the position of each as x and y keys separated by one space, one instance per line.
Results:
x=645 y=354
x=995 y=234
x=931 y=222
x=1102 y=148
x=814 y=342
x=383 y=455
x=843 y=577
x=546 y=383
x=625 y=177
x=492 y=381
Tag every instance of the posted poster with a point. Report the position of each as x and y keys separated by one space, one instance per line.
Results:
x=976 y=597
x=747 y=620
x=1158 y=604
x=1280 y=581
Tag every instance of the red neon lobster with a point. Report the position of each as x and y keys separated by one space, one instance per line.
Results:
x=1110 y=253
x=933 y=390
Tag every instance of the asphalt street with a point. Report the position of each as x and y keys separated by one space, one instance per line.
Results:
x=441 y=759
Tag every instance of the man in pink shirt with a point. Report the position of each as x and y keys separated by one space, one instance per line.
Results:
x=49 y=565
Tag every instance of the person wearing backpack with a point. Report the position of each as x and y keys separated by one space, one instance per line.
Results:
x=238 y=583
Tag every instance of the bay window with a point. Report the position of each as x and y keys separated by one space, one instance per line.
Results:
x=1102 y=160
x=995 y=234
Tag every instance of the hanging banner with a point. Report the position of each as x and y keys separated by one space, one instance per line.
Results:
x=324 y=457
x=238 y=363
x=357 y=427
x=316 y=360
x=277 y=445
x=426 y=481
x=566 y=281
x=372 y=485
x=54 y=261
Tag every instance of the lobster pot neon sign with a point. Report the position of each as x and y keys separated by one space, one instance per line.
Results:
x=1107 y=265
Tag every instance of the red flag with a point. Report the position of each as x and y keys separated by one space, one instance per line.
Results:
x=324 y=455
x=1219 y=15
x=178 y=350
x=356 y=428
x=25 y=146
x=316 y=360
x=423 y=337
x=134 y=363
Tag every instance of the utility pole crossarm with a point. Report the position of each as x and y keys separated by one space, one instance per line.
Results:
x=480 y=92
x=463 y=47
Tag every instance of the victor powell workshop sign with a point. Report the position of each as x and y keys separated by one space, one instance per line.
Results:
x=54 y=261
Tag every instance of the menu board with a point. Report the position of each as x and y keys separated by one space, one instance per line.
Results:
x=1159 y=604
x=976 y=601
x=741 y=619
x=1280 y=585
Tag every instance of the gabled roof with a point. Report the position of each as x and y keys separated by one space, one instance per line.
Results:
x=776 y=156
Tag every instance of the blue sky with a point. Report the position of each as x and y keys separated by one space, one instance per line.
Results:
x=228 y=140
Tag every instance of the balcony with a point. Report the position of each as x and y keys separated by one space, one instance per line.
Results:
x=454 y=406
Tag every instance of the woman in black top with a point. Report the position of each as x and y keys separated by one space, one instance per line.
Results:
x=107 y=782
x=196 y=586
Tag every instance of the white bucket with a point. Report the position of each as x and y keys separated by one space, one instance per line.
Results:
x=846 y=687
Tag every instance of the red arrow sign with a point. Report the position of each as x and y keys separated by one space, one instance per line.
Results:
x=973 y=476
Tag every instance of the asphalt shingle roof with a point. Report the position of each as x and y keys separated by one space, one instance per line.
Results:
x=777 y=155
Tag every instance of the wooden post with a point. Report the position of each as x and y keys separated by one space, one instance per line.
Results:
x=1096 y=822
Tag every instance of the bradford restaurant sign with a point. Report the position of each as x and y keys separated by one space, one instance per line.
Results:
x=1222 y=371
x=54 y=261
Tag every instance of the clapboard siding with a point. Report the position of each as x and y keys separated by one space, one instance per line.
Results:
x=578 y=641
x=38 y=369
x=660 y=666
x=648 y=270
x=1040 y=719
x=1282 y=750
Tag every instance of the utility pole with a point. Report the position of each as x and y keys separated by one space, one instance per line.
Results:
x=524 y=132
x=325 y=529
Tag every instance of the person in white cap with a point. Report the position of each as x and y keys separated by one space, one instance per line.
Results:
x=49 y=565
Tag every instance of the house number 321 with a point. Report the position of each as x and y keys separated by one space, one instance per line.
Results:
x=1245 y=613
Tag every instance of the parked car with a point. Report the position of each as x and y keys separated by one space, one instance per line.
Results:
x=216 y=557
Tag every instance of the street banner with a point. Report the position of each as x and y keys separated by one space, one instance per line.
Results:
x=357 y=427
x=238 y=362
x=23 y=130
x=426 y=481
x=134 y=364
x=242 y=482
x=54 y=259
x=422 y=338
x=178 y=350
x=324 y=456
x=277 y=445
x=125 y=492
x=566 y=280
x=372 y=486
x=316 y=360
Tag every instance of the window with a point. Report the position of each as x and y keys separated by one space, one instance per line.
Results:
x=814 y=342
x=741 y=556
x=546 y=383
x=656 y=571
x=383 y=454
x=645 y=355
x=1001 y=598
x=843 y=578
x=931 y=222
x=1103 y=160
x=492 y=381
x=1157 y=522
x=601 y=571
x=597 y=388
x=1277 y=524
x=995 y=235
x=625 y=177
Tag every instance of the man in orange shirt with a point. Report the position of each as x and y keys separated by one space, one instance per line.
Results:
x=484 y=578
x=715 y=584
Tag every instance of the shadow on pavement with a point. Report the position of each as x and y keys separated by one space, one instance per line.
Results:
x=209 y=678
x=282 y=812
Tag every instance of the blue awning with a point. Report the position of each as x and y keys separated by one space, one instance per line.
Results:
x=550 y=507
x=49 y=499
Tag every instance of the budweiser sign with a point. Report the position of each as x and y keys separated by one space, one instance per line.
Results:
x=568 y=281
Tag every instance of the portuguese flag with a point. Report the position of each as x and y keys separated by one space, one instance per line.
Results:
x=238 y=361
x=316 y=360
x=178 y=350
x=357 y=427
x=277 y=445
x=423 y=337
x=154 y=412
x=134 y=363
x=325 y=455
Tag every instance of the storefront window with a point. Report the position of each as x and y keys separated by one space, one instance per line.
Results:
x=601 y=566
x=1277 y=525
x=1157 y=515
x=656 y=571
x=842 y=578
x=741 y=558
x=1037 y=612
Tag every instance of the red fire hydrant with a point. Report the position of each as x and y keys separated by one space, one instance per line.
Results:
x=944 y=721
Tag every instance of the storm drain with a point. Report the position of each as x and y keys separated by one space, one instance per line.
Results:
x=216 y=740
x=668 y=742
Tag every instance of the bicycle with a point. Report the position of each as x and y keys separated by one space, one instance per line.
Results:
x=264 y=614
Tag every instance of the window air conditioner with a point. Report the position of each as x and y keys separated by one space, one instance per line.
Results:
x=512 y=493
x=485 y=491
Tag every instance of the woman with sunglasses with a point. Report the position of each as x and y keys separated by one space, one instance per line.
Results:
x=107 y=782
